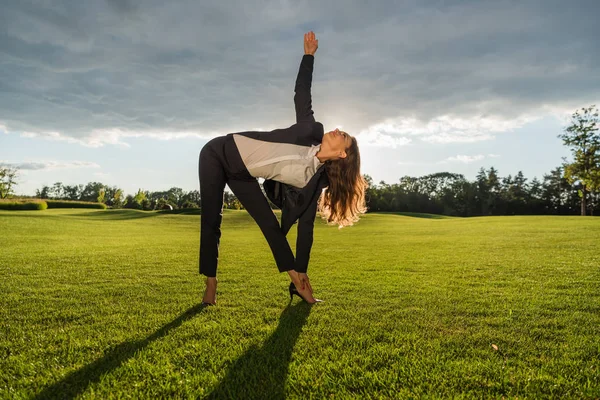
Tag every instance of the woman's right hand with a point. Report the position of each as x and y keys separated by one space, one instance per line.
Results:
x=304 y=282
x=310 y=43
x=305 y=290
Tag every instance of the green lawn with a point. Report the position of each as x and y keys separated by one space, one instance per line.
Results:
x=105 y=304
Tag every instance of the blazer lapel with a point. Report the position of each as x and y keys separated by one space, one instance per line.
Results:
x=296 y=200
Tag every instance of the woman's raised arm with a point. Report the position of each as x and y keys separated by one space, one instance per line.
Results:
x=302 y=98
x=310 y=43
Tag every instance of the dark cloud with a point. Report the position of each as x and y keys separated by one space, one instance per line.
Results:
x=125 y=7
x=80 y=68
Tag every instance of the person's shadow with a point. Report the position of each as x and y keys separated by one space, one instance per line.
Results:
x=261 y=372
x=77 y=382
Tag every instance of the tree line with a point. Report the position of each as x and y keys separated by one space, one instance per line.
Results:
x=115 y=197
x=439 y=193
x=489 y=194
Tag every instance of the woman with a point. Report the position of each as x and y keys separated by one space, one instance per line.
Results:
x=297 y=163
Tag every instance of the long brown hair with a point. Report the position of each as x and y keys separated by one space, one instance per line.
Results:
x=343 y=200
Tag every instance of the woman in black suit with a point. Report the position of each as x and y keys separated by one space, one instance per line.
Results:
x=304 y=169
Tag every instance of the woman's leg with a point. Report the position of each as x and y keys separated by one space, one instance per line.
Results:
x=255 y=202
x=212 y=184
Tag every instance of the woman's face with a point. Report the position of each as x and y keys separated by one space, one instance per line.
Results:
x=337 y=142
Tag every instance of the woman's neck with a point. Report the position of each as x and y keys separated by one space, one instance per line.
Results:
x=322 y=156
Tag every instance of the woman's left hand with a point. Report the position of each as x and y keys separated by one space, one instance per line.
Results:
x=310 y=43
x=304 y=281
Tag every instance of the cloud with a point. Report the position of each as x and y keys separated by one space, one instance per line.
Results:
x=442 y=129
x=465 y=159
x=49 y=165
x=96 y=73
x=375 y=137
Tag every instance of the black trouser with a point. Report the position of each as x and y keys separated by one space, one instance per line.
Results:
x=220 y=164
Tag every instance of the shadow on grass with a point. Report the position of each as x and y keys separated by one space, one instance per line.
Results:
x=184 y=211
x=415 y=215
x=77 y=382
x=261 y=372
x=117 y=214
x=135 y=214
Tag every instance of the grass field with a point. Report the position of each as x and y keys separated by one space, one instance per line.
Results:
x=105 y=304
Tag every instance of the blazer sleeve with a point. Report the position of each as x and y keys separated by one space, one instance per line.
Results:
x=302 y=98
x=304 y=240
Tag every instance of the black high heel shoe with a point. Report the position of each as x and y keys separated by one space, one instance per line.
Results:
x=293 y=291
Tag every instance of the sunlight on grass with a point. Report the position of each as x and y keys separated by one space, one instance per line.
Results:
x=105 y=304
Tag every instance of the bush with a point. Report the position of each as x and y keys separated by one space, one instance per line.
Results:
x=24 y=204
x=74 y=204
x=189 y=204
x=164 y=204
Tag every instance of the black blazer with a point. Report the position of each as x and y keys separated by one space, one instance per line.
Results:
x=298 y=204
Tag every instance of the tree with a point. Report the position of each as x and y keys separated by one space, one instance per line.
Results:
x=535 y=188
x=191 y=197
x=146 y=205
x=583 y=139
x=113 y=196
x=140 y=196
x=556 y=192
x=138 y=202
x=236 y=204
x=535 y=202
x=229 y=200
x=465 y=198
x=72 y=192
x=44 y=193
x=101 y=195
x=175 y=196
x=57 y=190
x=189 y=204
x=91 y=191
x=131 y=203
x=516 y=195
x=8 y=180
x=483 y=192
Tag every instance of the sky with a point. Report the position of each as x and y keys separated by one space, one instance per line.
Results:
x=127 y=92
